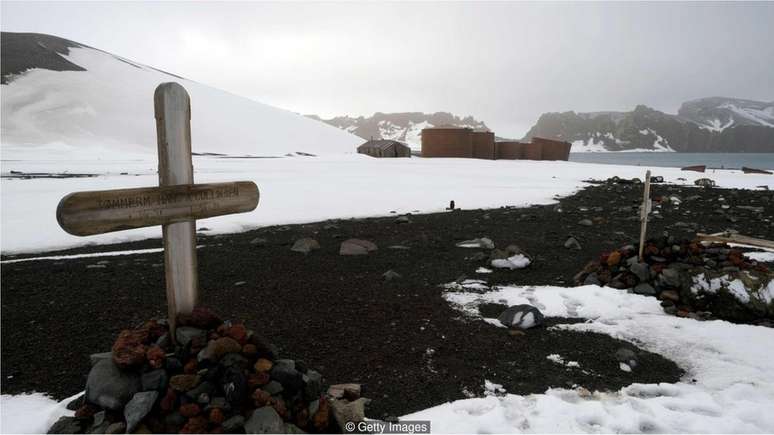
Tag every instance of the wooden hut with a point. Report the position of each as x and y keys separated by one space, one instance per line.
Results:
x=385 y=148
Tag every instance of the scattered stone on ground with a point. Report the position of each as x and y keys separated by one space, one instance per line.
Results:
x=357 y=247
x=480 y=243
x=305 y=245
x=522 y=316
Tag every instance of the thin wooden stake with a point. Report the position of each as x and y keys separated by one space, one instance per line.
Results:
x=644 y=211
x=173 y=127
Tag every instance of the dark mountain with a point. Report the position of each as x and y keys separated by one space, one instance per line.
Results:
x=715 y=124
x=405 y=127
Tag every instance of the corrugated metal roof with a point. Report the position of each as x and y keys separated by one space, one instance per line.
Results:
x=381 y=144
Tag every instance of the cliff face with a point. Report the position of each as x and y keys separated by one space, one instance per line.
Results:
x=713 y=124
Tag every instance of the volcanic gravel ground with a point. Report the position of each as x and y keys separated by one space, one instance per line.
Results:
x=400 y=339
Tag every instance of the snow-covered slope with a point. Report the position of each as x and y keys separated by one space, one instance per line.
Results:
x=106 y=111
x=404 y=127
x=720 y=113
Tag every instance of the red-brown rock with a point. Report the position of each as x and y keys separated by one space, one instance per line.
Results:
x=129 y=348
x=321 y=418
x=249 y=350
x=238 y=332
x=216 y=416
x=200 y=317
x=279 y=405
x=191 y=367
x=258 y=379
x=167 y=403
x=261 y=398
x=155 y=356
x=190 y=410
x=614 y=258
x=196 y=424
x=263 y=365
x=85 y=411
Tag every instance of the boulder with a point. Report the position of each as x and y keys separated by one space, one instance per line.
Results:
x=585 y=222
x=185 y=334
x=357 y=247
x=640 y=270
x=345 y=411
x=522 y=316
x=68 y=425
x=305 y=245
x=644 y=288
x=129 y=348
x=154 y=380
x=264 y=420
x=137 y=408
x=110 y=387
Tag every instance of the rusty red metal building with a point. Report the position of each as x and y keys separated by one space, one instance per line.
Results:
x=484 y=145
x=447 y=141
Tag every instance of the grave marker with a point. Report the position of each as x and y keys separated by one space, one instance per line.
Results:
x=175 y=204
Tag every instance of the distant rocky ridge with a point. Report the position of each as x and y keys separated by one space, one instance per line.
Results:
x=715 y=124
x=405 y=127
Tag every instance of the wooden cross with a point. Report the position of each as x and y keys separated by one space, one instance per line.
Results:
x=175 y=204
x=644 y=212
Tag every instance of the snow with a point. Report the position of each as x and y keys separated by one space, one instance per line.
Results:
x=757 y=116
x=108 y=111
x=31 y=413
x=728 y=387
x=763 y=256
x=717 y=125
x=309 y=189
x=555 y=357
x=518 y=261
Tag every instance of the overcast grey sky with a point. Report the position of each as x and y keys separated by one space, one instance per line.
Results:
x=504 y=63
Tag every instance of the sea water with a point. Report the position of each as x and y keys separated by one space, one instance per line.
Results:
x=679 y=160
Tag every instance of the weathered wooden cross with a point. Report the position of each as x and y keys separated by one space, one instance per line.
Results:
x=175 y=204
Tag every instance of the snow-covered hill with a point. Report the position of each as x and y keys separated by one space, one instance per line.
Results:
x=64 y=100
x=404 y=127
x=720 y=113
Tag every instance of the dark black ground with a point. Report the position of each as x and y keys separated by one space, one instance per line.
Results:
x=337 y=314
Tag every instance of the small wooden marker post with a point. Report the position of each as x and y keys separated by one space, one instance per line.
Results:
x=175 y=204
x=644 y=212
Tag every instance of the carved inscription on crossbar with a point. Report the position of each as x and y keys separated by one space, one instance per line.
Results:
x=97 y=212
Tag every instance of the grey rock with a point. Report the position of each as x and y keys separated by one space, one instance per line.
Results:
x=572 y=243
x=292 y=429
x=154 y=380
x=626 y=356
x=591 y=279
x=205 y=387
x=116 y=428
x=644 y=288
x=670 y=277
x=258 y=241
x=97 y=357
x=312 y=384
x=391 y=275
x=402 y=220
x=264 y=420
x=234 y=359
x=67 y=425
x=273 y=388
x=110 y=387
x=670 y=309
x=521 y=316
x=641 y=270
x=137 y=408
x=314 y=405
x=585 y=222
x=357 y=247
x=305 y=245
x=185 y=334
x=76 y=403
x=481 y=243
x=345 y=411
x=175 y=419
x=233 y=424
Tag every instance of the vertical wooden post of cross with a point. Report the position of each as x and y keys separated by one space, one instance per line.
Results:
x=173 y=127
x=644 y=211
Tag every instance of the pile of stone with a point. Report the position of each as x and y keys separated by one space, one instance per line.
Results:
x=512 y=257
x=690 y=278
x=217 y=377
